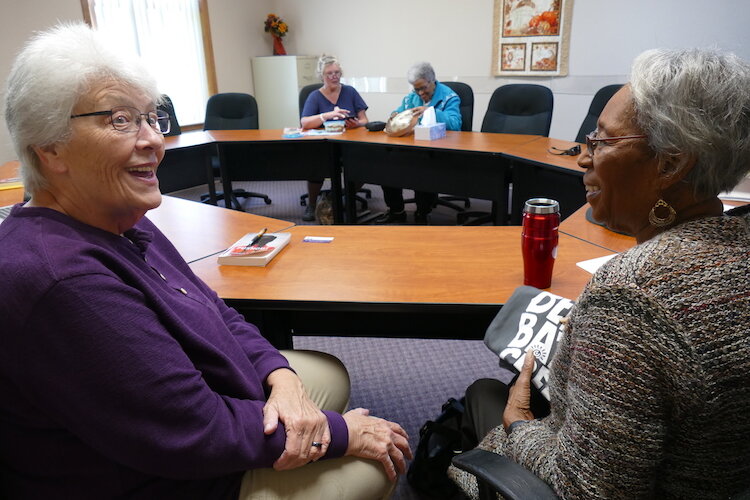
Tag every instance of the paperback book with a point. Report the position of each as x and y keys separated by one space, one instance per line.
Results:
x=246 y=253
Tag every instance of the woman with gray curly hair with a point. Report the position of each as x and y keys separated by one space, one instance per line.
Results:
x=426 y=92
x=649 y=388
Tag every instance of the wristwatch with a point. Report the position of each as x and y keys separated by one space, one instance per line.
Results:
x=513 y=425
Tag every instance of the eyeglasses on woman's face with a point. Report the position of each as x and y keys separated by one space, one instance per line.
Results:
x=332 y=74
x=128 y=119
x=592 y=141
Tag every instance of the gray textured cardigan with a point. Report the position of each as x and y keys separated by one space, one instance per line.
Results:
x=650 y=390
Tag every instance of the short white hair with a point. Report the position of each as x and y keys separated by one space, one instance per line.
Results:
x=51 y=74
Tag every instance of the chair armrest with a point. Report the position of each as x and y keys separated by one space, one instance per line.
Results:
x=503 y=475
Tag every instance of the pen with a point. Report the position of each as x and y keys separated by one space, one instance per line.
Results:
x=257 y=237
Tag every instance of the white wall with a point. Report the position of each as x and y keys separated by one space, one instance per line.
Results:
x=382 y=39
x=377 y=41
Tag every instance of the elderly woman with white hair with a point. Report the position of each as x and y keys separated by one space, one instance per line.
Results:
x=650 y=388
x=122 y=374
x=333 y=101
x=427 y=91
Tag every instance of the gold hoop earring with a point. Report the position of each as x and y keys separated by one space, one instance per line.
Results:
x=657 y=221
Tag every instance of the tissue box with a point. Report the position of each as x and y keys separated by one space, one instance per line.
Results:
x=429 y=132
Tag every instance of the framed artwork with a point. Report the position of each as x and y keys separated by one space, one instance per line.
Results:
x=531 y=37
x=513 y=56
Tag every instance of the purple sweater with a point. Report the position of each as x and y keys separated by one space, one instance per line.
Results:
x=122 y=375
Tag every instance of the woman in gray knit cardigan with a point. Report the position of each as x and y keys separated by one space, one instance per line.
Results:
x=650 y=389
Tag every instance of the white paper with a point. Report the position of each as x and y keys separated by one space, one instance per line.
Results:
x=428 y=117
x=592 y=265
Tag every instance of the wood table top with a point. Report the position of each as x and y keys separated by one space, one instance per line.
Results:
x=538 y=151
x=459 y=141
x=197 y=229
x=11 y=190
x=398 y=264
x=577 y=226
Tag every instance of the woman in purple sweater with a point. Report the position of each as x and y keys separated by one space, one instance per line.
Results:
x=122 y=375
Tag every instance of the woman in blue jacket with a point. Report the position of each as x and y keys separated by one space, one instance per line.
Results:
x=427 y=91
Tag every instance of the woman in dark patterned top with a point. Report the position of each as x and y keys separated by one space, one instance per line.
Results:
x=650 y=390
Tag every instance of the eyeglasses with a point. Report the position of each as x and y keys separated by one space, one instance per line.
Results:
x=331 y=74
x=128 y=119
x=592 y=141
x=417 y=90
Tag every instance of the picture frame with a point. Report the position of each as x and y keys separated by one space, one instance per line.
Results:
x=531 y=37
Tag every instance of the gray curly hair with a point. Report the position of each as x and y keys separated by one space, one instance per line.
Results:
x=419 y=71
x=696 y=102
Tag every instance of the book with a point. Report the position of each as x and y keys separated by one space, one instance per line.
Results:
x=259 y=254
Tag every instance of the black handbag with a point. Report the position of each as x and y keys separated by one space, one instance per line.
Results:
x=439 y=442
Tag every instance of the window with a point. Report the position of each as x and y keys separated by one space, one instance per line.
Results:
x=173 y=38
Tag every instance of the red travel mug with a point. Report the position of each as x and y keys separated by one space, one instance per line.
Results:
x=541 y=218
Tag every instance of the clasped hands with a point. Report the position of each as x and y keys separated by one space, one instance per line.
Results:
x=308 y=436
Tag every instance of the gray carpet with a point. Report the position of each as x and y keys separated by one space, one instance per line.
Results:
x=407 y=380
x=403 y=380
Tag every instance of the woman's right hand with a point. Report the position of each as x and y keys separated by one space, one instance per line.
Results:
x=336 y=114
x=378 y=439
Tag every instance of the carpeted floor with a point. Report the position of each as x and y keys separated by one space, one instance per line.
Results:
x=407 y=380
x=404 y=380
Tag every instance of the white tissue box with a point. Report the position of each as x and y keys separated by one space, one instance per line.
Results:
x=429 y=132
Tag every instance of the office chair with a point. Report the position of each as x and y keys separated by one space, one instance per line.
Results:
x=466 y=94
x=601 y=98
x=167 y=106
x=497 y=474
x=518 y=108
x=304 y=93
x=232 y=111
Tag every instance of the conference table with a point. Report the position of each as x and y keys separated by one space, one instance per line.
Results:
x=397 y=281
x=536 y=171
x=472 y=164
x=200 y=230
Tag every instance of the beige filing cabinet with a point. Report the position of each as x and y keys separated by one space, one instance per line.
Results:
x=277 y=81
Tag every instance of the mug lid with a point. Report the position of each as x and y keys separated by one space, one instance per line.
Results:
x=541 y=206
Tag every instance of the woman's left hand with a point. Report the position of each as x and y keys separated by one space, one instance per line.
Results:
x=305 y=424
x=518 y=406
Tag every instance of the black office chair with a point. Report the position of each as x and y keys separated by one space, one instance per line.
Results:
x=466 y=94
x=232 y=111
x=497 y=474
x=601 y=98
x=519 y=108
x=167 y=106
x=304 y=93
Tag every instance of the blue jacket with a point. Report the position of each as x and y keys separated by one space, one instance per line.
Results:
x=444 y=100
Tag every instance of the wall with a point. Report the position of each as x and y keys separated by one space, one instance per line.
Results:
x=380 y=40
x=377 y=41
x=27 y=17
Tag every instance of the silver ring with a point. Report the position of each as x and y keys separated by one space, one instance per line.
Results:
x=317 y=444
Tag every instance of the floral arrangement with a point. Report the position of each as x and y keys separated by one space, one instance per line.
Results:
x=276 y=26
